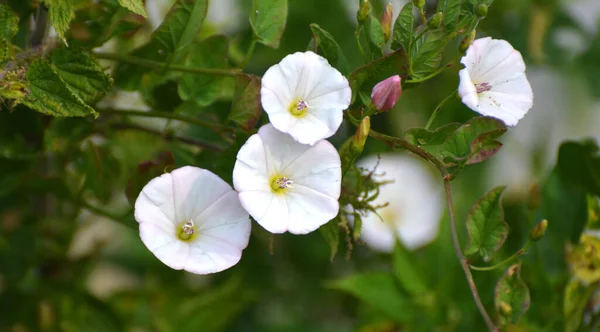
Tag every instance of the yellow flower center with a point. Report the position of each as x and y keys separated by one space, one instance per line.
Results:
x=280 y=183
x=298 y=108
x=187 y=231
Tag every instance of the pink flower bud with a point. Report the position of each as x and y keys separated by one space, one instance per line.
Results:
x=386 y=93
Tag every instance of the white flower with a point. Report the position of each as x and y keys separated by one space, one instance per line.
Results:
x=192 y=220
x=414 y=205
x=285 y=185
x=493 y=82
x=305 y=97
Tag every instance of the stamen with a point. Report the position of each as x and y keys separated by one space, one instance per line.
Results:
x=284 y=182
x=483 y=87
x=301 y=105
x=188 y=227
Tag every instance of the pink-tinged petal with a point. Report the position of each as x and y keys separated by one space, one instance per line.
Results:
x=386 y=93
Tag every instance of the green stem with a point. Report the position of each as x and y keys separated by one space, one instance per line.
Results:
x=249 y=53
x=161 y=65
x=360 y=48
x=165 y=115
x=422 y=14
x=430 y=76
x=517 y=254
x=106 y=214
x=438 y=109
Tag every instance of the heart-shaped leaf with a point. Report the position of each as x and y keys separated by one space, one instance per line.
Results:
x=486 y=225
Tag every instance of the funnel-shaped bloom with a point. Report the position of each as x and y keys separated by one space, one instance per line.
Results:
x=493 y=82
x=305 y=97
x=192 y=220
x=386 y=93
x=285 y=185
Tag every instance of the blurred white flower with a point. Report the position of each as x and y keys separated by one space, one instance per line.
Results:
x=586 y=13
x=493 y=82
x=414 y=207
x=285 y=185
x=223 y=15
x=192 y=220
x=305 y=97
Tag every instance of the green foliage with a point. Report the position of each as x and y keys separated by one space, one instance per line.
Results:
x=100 y=170
x=576 y=298
x=375 y=37
x=365 y=77
x=246 y=108
x=486 y=225
x=451 y=11
x=579 y=164
x=136 y=6
x=49 y=94
x=408 y=272
x=403 y=28
x=61 y=14
x=205 y=89
x=427 y=52
x=323 y=43
x=423 y=137
x=331 y=233
x=268 y=18
x=512 y=296
x=8 y=22
x=147 y=171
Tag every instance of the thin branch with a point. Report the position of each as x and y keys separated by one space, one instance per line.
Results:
x=249 y=53
x=98 y=211
x=166 y=115
x=438 y=108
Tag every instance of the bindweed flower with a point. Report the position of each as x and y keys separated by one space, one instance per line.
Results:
x=493 y=82
x=414 y=204
x=305 y=97
x=386 y=93
x=285 y=185
x=192 y=220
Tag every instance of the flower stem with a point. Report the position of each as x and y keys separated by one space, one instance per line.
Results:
x=517 y=254
x=161 y=65
x=360 y=48
x=249 y=52
x=422 y=14
x=165 y=115
x=462 y=259
x=438 y=109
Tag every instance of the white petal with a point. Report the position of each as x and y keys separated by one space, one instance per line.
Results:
x=280 y=149
x=309 y=209
x=210 y=255
x=268 y=209
x=467 y=90
x=492 y=60
x=251 y=171
x=164 y=245
x=155 y=204
x=377 y=234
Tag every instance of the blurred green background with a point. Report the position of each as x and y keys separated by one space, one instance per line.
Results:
x=65 y=267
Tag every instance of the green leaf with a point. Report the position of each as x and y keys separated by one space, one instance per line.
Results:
x=486 y=225
x=267 y=19
x=331 y=233
x=379 y=291
x=423 y=137
x=48 y=94
x=575 y=301
x=101 y=170
x=376 y=38
x=579 y=163
x=403 y=28
x=473 y=142
x=246 y=108
x=82 y=74
x=511 y=296
x=365 y=77
x=324 y=44
x=147 y=171
x=169 y=43
x=136 y=6
x=9 y=22
x=427 y=53
x=451 y=11
x=205 y=89
x=407 y=271
x=60 y=13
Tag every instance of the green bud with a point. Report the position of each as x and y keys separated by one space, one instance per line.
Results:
x=481 y=10
x=360 y=137
x=364 y=12
x=435 y=21
x=386 y=21
x=419 y=3
x=538 y=231
x=465 y=43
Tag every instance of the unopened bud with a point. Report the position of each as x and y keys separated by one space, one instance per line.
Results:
x=386 y=21
x=360 y=137
x=538 y=231
x=386 y=93
x=419 y=3
x=465 y=43
x=481 y=10
x=435 y=21
x=364 y=12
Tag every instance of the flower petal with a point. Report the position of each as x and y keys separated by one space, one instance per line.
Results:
x=467 y=90
x=164 y=245
x=155 y=204
x=210 y=255
x=225 y=220
x=492 y=60
x=251 y=170
x=268 y=209
x=376 y=233
x=309 y=209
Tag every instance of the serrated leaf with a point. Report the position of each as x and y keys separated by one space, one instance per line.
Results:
x=48 y=94
x=246 y=108
x=169 y=43
x=473 y=142
x=60 y=13
x=365 y=77
x=403 y=28
x=205 y=89
x=407 y=271
x=378 y=290
x=511 y=296
x=5 y=51
x=427 y=53
x=268 y=18
x=326 y=46
x=136 y=6
x=82 y=74
x=451 y=11
x=424 y=137
x=9 y=22
x=486 y=225
x=376 y=37
x=331 y=233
